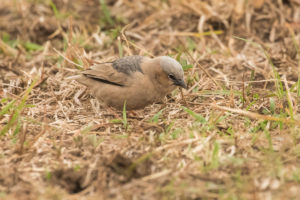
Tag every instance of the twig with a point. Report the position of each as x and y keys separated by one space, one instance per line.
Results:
x=67 y=59
x=182 y=96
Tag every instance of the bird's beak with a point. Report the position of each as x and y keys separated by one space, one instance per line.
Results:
x=181 y=83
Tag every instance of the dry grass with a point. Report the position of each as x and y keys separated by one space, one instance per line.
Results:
x=234 y=135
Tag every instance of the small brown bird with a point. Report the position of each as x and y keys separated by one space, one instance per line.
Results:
x=137 y=80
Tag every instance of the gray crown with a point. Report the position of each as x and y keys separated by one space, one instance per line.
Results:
x=171 y=66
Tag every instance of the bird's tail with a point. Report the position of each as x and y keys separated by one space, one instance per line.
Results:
x=83 y=80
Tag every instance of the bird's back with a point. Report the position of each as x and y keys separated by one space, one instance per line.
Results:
x=128 y=65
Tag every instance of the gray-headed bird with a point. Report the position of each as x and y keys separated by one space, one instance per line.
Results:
x=138 y=80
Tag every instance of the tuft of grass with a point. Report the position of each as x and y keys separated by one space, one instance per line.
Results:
x=185 y=65
x=114 y=33
x=107 y=18
x=191 y=44
x=196 y=116
x=56 y=12
x=278 y=82
x=8 y=40
x=10 y=46
x=272 y=105
x=30 y=46
x=7 y=107
x=165 y=135
x=215 y=156
x=156 y=117
x=48 y=175
x=54 y=8
x=15 y=109
x=176 y=133
x=255 y=98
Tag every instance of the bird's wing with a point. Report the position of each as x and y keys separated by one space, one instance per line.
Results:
x=116 y=72
x=106 y=73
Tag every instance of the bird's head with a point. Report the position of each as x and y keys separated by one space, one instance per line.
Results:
x=174 y=71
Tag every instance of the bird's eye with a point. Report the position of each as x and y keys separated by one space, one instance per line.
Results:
x=172 y=77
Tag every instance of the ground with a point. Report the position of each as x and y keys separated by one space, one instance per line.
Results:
x=233 y=134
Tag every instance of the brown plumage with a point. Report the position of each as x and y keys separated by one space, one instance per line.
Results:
x=138 y=80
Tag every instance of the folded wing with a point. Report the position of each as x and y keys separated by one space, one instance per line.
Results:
x=106 y=73
x=114 y=73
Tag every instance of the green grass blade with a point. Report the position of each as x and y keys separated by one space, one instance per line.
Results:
x=124 y=116
x=6 y=108
x=215 y=156
x=17 y=110
x=156 y=117
x=107 y=17
x=198 y=117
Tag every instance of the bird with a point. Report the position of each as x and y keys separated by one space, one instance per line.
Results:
x=135 y=81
